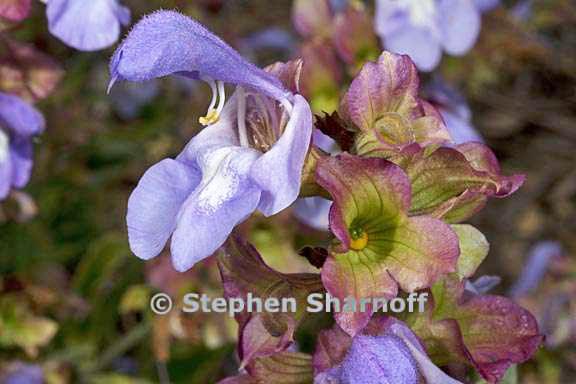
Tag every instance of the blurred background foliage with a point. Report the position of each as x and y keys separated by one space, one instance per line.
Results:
x=74 y=300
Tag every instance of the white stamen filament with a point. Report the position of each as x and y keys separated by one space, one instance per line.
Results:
x=218 y=95
x=221 y=96
x=242 y=133
x=4 y=146
x=212 y=85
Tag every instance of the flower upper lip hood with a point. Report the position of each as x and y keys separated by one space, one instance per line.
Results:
x=237 y=164
x=167 y=42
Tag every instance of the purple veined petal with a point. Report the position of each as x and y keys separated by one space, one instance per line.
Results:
x=535 y=268
x=18 y=117
x=486 y=5
x=225 y=197
x=418 y=43
x=313 y=211
x=278 y=171
x=86 y=25
x=5 y=175
x=460 y=25
x=379 y=360
x=167 y=42
x=21 y=152
x=154 y=204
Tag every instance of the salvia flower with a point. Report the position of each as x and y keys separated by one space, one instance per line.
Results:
x=455 y=112
x=86 y=25
x=249 y=157
x=386 y=352
x=537 y=263
x=313 y=211
x=19 y=123
x=423 y=29
x=21 y=373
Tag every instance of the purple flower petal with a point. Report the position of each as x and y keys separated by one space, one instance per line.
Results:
x=460 y=26
x=313 y=211
x=486 y=5
x=225 y=197
x=460 y=129
x=86 y=25
x=454 y=110
x=21 y=152
x=167 y=42
x=25 y=374
x=431 y=372
x=379 y=360
x=386 y=351
x=417 y=43
x=483 y=284
x=5 y=176
x=539 y=258
x=389 y=17
x=279 y=170
x=18 y=117
x=523 y=10
x=155 y=203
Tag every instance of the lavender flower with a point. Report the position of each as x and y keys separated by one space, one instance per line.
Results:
x=425 y=28
x=539 y=259
x=86 y=25
x=249 y=157
x=22 y=373
x=313 y=211
x=386 y=352
x=19 y=122
x=455 y=112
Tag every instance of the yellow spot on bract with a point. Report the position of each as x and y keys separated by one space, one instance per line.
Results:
x=360 y=242
x=211 y=117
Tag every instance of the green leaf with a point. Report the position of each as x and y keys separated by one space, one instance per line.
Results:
x=19 y=327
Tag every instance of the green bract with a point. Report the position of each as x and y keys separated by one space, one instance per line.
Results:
x=380 y=246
